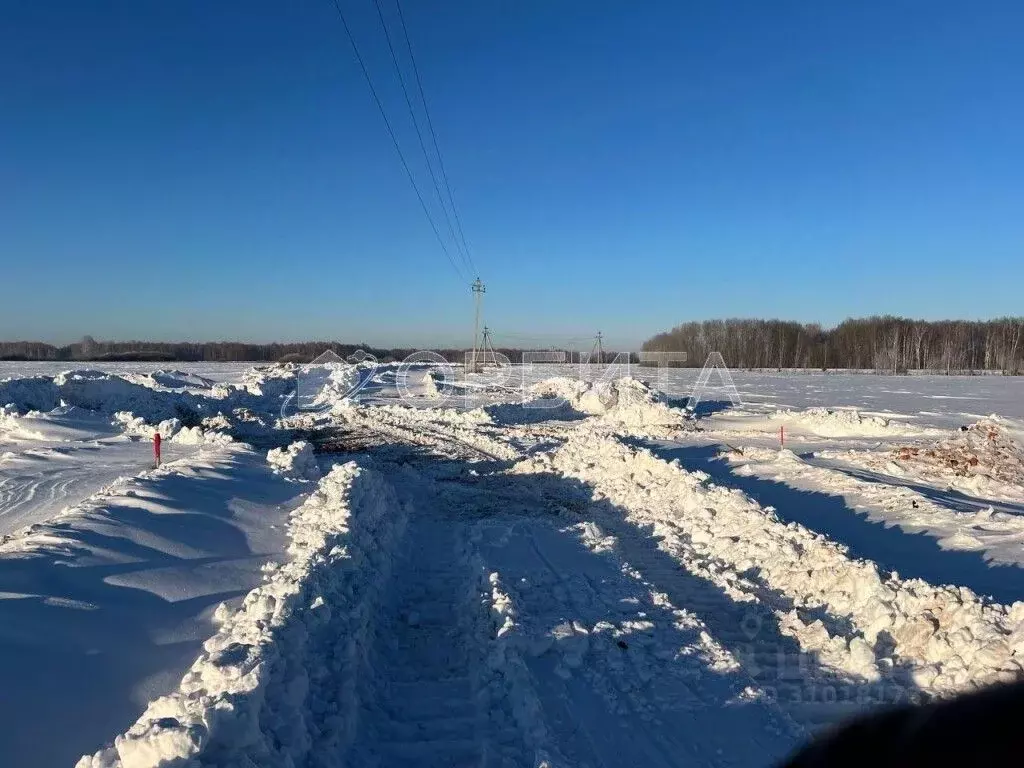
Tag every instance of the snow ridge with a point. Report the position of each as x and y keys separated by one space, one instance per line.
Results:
x=273 y=686
x=947 y=637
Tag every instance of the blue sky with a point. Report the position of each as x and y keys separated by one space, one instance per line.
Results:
x=199 y=170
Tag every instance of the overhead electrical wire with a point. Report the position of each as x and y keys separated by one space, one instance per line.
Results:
x=433 y=135
x=419 y=135
x=394 y=140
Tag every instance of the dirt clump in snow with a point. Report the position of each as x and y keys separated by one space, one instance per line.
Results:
x=981 y=450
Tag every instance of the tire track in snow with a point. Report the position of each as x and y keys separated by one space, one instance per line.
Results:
x=426 y=702
x=621 y=675
x=430 y=429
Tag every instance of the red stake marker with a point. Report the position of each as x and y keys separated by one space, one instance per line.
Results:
x=156 y=448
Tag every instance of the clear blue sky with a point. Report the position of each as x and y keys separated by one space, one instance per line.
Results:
x=197 y=169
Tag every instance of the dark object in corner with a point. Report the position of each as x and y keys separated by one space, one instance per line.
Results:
x=978 y=729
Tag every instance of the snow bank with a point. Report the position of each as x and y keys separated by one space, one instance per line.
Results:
x=297 y=461
x=276 y=684
x=949 y=637
x=271 y=382
x=626 y=401
x=174 y=380
x=117 y=590
x=826 y=422
x=103 y=392
x=37 y=393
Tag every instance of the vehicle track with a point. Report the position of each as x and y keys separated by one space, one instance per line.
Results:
x=426 y=699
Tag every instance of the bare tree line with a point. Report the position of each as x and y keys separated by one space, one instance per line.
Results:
x=886 y=344
x=88 y=349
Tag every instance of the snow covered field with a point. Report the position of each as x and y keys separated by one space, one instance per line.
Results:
x=599 y=578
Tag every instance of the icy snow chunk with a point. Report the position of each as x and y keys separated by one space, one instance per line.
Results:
x=296 y=461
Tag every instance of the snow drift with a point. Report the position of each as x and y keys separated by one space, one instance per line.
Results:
x=269 y=688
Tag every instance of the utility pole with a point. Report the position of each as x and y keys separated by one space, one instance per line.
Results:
x=478 y=291
x=599 y=347
x=485 y=344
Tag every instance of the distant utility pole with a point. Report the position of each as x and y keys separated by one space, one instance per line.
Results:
x=478 y=291
x=488 y=344
x=598 y=347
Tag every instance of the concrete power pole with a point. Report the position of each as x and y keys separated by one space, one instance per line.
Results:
x=478 y=291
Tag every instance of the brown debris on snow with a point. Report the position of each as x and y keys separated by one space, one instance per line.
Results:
x=983 y=448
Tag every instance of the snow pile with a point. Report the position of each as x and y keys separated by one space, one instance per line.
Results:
x=198 y=436
x=16 y=427
x=137 y=426
x=429 y=386
x=531 y=412
x=268 y=383
x=297 y=461
x=37 y=393
x=626 y=401
x=979 y=458
x=341 y=380
x=249 y=425
x=174 y=380
x=277 y=683
x=172 y=430
x=828 y=422
x=103 y=392
x=949 y=637
x=64 y=424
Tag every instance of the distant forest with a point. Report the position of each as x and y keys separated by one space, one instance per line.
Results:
x=884 y=344
x=90 y=350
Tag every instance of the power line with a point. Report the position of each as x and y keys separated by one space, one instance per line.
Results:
x=394 y=139
x=419 y=135
x=433 y=134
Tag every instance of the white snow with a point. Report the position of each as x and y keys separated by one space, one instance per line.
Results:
x=610 y=580
x=981 y=524
x=625 y=401
x=296 y=461
x=264 y=691
x=107 y=604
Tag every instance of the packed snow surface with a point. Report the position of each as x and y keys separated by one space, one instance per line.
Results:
x=360 y=565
